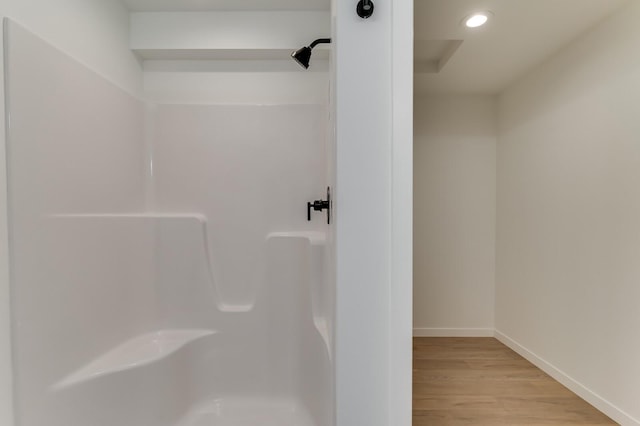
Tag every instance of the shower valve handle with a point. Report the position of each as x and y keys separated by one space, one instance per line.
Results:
x=319 y=205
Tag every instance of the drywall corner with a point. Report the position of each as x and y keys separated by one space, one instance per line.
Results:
x=572 y=384
x=6 y=391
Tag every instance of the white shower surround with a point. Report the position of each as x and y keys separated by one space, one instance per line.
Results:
x=121 y=313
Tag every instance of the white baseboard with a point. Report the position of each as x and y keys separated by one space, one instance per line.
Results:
x=453 y=332
x=578 y=388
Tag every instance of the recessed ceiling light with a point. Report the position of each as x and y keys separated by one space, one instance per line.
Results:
x=477 y=19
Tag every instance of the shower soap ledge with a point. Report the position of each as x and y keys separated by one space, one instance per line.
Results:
x=136 y=352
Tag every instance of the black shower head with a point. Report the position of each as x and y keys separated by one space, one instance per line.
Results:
x=303 y=55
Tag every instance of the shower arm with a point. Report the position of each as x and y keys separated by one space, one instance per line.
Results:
x=319 y=41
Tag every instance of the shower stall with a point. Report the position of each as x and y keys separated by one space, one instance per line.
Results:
x=163 y=268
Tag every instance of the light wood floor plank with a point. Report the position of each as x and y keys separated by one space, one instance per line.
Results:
x=479 y=381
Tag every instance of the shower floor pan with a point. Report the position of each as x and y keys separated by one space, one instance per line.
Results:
x=155 y=367
x=248 y=412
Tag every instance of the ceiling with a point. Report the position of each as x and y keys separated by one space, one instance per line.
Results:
x=450 y=58
x=211 y=5
x=520 y=35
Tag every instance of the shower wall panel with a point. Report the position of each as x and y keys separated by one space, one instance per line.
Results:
x=250 y=170
x=214 y=307
x=75 y=146
x=75 y=140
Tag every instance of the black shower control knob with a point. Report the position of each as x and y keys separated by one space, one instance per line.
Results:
x=365 y=9
x=319 y=205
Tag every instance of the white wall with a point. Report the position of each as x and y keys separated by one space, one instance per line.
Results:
x=373 y=101
x=96 y=33
x=256 y=123
x=75 y=146
x=250 y=170
x=235 y=88
x=568 y=236
x=231 y=58
x=245 y=31
x=6 y=397
x=454 y=210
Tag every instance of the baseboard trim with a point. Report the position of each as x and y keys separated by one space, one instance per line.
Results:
x=453 y=332
x=578 y=388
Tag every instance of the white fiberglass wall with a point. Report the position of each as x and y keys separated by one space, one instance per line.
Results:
x=84 y=157
x=163 y=270
x=250 y=170
x=104 y=48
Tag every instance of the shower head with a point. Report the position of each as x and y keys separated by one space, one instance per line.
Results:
x=303 y=55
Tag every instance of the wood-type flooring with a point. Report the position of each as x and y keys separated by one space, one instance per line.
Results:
x=480 y=381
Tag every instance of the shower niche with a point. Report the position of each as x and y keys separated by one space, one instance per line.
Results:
x=163 y=270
